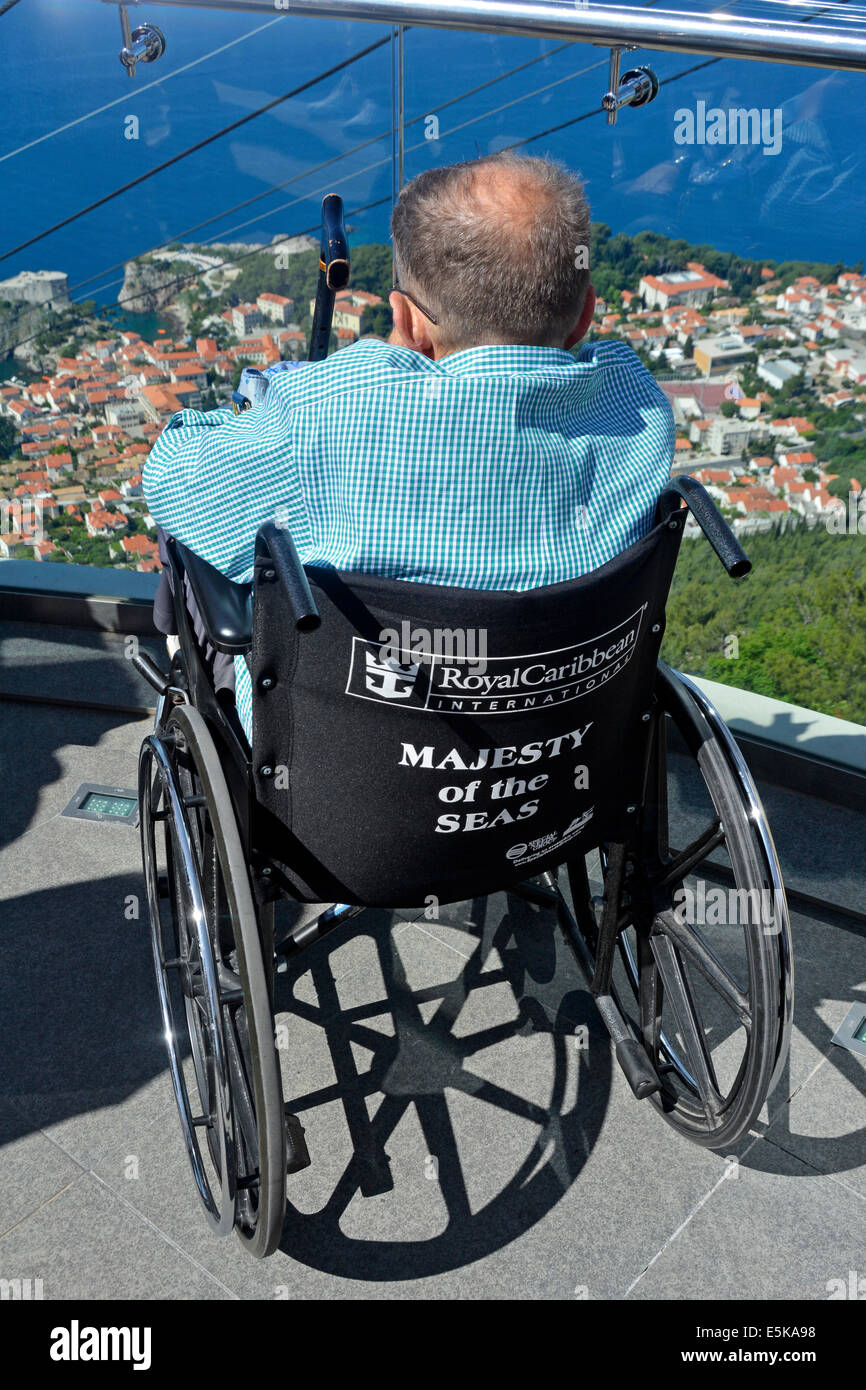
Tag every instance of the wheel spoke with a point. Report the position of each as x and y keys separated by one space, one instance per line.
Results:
x=687 y=860
x=438 y=1130
x=512 y=1104
x=650 y=997
x=656 y=809
x=698 y=1057
x=701 y=953
x=237 y=1044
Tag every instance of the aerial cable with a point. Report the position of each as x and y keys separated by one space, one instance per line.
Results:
x=182 y=279
x=344 y=154
x=553 y=129
x=199 y=145
x=515 y=145
x=473 y=120
x=97 y=111
x=257 y=250
x=574 y=120
x=379 y=163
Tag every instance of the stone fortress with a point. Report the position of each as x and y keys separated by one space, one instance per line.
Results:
x=48 y=288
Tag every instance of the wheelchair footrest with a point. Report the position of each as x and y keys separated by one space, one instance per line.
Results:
x=639 y=1071
x=297 y=1153
x=147 y=667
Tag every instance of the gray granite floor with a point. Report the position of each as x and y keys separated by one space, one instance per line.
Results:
x=471 y=1135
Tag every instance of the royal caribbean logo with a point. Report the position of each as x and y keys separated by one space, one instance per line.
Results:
x=508 y=684
x=384 y=677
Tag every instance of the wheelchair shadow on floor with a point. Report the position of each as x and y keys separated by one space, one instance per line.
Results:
x=80 y=1016
x=445 y=1131
x=388 y=1054
x=468 y=1079
x=837 y=1095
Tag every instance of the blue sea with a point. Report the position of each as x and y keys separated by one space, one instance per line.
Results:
x=59 y=64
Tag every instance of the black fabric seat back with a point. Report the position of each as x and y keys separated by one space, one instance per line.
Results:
x=392 y=764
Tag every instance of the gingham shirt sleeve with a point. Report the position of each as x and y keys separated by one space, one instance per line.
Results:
x=212 y=479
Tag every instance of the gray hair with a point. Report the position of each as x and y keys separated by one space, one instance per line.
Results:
x=518 y=277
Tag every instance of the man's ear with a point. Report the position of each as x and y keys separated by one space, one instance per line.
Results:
x=581 y=328
x=411 y=328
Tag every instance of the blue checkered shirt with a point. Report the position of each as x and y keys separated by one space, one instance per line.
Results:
x=500 y=467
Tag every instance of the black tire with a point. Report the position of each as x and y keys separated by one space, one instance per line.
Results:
x=245 y=985
x=703 y=1001
x=184 y=963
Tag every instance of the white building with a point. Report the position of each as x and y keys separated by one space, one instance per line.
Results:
x=276 y=308
x=694 y=285
x=124 y=413
x=246 y=318
x=778 y=371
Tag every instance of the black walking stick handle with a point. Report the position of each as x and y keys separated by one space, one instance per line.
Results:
x=333 y=274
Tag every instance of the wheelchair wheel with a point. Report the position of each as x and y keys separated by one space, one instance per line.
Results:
x=704 y=974
x=212 y=949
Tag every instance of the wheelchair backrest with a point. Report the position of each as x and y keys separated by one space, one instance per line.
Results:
x=431 y=741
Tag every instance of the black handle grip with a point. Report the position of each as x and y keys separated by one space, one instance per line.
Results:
x=333 y=274
x=708 y=517
x=334 y=250
x=276 y=553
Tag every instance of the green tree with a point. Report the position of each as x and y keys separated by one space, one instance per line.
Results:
x=377 y=320
x=7 y=438
x=797 y=617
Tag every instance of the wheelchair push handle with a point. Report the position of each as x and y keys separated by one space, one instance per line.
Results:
x=710 y=520
x=278 y=560
x=333 y=274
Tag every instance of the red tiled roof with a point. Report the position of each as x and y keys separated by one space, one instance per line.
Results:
x=139 y=545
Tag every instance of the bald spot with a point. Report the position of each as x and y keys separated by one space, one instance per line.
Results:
x=498 y=194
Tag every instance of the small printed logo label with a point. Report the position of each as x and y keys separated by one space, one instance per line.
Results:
x=524 y=853
x=508 y=684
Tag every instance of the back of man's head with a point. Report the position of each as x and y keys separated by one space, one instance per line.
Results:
x=497 y=248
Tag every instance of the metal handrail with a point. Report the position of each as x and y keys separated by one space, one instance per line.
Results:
x=716 y=35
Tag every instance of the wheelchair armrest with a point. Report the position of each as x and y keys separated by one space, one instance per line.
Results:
x=708 y=517
x=226 y=608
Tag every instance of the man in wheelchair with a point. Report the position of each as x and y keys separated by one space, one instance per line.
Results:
x=472 y=449
x=470 y=476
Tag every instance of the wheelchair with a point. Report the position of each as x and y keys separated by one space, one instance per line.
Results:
x=389 y=769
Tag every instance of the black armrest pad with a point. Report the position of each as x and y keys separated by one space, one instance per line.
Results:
x=226 y=608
